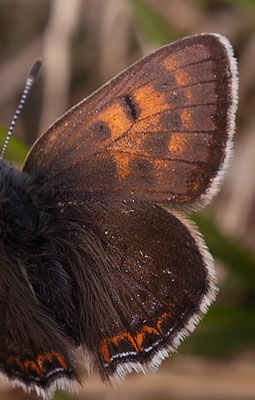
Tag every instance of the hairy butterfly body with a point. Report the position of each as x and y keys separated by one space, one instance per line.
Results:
x=99 y=267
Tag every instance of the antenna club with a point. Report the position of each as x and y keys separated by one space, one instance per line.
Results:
x=35 y=68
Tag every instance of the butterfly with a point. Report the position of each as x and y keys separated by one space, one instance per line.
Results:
x=100 y=266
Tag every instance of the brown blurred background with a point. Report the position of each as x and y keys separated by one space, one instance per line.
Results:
x=83 y=43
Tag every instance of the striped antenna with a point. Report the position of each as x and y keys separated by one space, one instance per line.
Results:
x=30 y=80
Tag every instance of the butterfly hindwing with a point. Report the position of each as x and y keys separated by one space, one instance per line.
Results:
x=158 y=131
x=33 y=351
x=152 y=280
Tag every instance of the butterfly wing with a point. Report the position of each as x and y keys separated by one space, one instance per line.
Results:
x=33 y=351
x=161 y=130
x=140 y=279
x=148 y=278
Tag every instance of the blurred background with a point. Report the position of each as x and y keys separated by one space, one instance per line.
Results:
x=83 y=43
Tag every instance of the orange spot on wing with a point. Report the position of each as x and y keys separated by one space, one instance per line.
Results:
x=150 y=124
x=161 y=320
x=116 y=119
x=182 y=78
x=121 y=162
x=124 y=335
x=60 y=359
x=150 y=101
x=177 y=144
x=188 y=93
x=12 y=360
x=140 y=336
x=161 y=169
x=196 y=184
x=34 y=366
x=104 y=350
x=186 y=117
x=171 y=63
x=49 y=356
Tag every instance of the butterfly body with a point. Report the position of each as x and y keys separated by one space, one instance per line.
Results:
x=17 y=209
x=99 y=267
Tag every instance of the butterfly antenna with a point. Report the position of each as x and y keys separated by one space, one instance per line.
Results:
x=30 y=80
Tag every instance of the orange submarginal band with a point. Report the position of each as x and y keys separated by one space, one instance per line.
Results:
x=38 y=364
x=136 y=341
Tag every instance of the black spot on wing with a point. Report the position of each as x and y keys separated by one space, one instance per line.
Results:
x=101 y=131
x=171 y=121
x=131 y=107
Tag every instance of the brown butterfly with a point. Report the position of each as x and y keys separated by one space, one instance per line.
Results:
x=99 y=267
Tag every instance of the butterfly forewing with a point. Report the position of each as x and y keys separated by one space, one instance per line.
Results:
x=158 y=131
